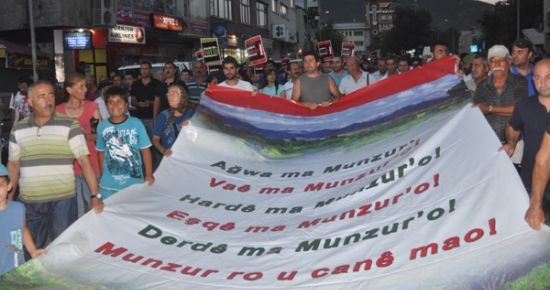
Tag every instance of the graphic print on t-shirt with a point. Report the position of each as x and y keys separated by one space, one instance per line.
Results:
x=16 y=245
x=122 y=159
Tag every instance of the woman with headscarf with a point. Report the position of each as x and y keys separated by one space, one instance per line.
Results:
x=75 y=105
x=169 y=122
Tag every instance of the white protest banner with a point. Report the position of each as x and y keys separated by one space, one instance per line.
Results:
x=396 y=186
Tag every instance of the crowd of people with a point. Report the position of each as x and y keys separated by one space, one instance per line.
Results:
x=73 y=147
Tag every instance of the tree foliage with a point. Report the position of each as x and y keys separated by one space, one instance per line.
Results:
x=411 y=29
x=500 y=25
x=328 y=32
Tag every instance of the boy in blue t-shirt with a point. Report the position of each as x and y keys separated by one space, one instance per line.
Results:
x=121 y=142
x=13 y=229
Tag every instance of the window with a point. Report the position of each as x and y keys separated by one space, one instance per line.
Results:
x=245 y=11
x=358 y=33
x=274 y=4
x=284 y=11
x=261 y=15
x=292 y=4
x=221 y=8
x=359 y=43
x=386 y=26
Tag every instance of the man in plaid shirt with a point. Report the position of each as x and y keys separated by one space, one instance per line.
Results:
x=24 y=108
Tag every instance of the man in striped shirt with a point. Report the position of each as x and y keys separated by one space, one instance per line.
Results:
x=197 y=84
x=42 y=151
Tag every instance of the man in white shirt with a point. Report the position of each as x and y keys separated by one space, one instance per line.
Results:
x=294 y=71
x=356 y=78
x=382 y=71
x=23 y=83
x=230 y=71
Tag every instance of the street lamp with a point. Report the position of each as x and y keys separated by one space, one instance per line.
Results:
x=517 y=37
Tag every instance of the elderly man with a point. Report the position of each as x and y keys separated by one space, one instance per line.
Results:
x=497 y=95
x=535 y=215
x=42 y=150
x=356 y=78
x=530 y=117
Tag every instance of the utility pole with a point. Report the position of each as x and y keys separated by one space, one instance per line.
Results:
x=33 y=42
x=517 y=36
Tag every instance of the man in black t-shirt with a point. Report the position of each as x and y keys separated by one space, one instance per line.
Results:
x=143 y=95
x=531 y=117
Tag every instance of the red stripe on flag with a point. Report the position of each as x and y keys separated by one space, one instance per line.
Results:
x=405 y=81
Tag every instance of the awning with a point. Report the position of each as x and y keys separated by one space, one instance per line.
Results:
x=20 y=49
x=537 y=38
x=20 y=57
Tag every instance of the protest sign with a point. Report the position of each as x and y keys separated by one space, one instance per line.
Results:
x=398 y=185
x=255 y=50
x=198 y=55
x=210 y=51
x=348 y=50
x=325 y=50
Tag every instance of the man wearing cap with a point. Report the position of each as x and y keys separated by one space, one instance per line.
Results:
x=497 y=95
x=467 y=66
x=522 y=51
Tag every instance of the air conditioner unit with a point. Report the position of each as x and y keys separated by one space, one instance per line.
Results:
x=104 y=13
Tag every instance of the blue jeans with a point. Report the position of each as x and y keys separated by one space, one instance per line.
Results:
x=155 y=154
x=52 y=217
x=83 y=195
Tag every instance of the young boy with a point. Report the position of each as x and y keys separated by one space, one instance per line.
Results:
x=121 y=142
x=13 y=229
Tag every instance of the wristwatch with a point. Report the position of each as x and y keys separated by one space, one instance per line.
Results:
x=98 y=196
x=490 y=109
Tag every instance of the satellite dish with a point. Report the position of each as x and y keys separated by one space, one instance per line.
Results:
x=374 y=23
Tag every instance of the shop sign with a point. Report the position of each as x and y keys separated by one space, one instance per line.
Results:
x=77 y=40
x=198 y=27
x=232 y=40
x=167 y=22
x=127 y=34
x=142 y=18
x=219 y=31
x=16 y=60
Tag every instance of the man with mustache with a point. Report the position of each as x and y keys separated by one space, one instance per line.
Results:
x=497 y=95
x=43 y=148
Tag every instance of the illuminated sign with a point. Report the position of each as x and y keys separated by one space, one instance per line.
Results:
x=167 y=22
x=127 y=34
x=77 y=40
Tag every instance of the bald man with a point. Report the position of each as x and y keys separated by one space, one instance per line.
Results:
x=530 y=116
x=356 y=78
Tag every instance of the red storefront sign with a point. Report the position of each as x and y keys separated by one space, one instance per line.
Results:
x=167 y=22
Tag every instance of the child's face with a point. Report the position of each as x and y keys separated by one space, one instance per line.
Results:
x=5 y=186
x=116 y=106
